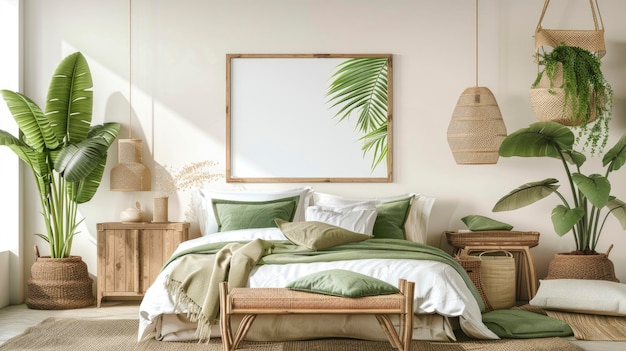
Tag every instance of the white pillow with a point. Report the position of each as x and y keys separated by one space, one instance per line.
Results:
x=204 y=205
x=582 y=296
x=358 y=218
x=417 y=222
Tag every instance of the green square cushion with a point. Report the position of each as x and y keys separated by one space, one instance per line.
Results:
x=522 y=324
x=391 y=219
x=477 y=222
x=233 y=215
x=340 y=282
x=317 y=235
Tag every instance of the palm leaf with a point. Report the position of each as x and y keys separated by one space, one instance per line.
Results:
x=359 y=86
x=37 y=130
x=70 y=99
x=618 y=209
x=526 y=194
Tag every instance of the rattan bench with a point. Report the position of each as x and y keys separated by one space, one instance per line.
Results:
x=251 y=302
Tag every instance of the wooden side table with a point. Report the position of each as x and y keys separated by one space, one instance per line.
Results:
x=512 y=241
x=131 y=255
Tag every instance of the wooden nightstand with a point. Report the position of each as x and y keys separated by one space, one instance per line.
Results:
x=131 y=255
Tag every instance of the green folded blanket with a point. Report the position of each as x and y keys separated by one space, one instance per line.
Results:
x=522 y=324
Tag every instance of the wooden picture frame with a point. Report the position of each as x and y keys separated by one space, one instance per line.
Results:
x=285 y=124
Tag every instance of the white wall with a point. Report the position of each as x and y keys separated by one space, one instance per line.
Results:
x=179 y=50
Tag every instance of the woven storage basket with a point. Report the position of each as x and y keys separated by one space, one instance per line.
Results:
x=497 y=271
x=59 y=283
x=493 y=238
x=472 y=267
x=590 y=39
x=593 y=267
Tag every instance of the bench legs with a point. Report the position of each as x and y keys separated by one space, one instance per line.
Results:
x=401 y=341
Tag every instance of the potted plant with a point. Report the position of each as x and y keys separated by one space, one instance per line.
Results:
x=572 y=90
x=67 y=157
x=590 y=202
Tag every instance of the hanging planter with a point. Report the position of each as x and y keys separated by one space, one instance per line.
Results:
x=571 y=90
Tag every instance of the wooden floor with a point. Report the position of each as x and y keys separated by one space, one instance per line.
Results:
x=15 y=318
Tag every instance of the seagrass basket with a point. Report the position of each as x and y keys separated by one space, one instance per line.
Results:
x=59 y=283
x=592 y=267
x=472 y=267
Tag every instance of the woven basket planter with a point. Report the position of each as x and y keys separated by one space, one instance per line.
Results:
x=593 y=267
x=59 y=283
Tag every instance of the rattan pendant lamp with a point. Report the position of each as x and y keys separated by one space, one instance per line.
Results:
x=130 y=174
x=476 y=129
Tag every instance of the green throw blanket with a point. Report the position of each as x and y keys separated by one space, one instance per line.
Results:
x=194 y=281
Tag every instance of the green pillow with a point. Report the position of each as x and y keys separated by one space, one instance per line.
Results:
x=340 y=282
x=233 y=215
x=391 y=219
x=317 y=235
x=477 y=222
x=522 y=324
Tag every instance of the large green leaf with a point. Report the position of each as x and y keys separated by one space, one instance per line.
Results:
x=37 y=130
x=595 y=187
x=618 y=209
x=70 y=99
x=564 y=219
x=540 y=139
x=360 y=86
x=526 y=194
x=616 y=156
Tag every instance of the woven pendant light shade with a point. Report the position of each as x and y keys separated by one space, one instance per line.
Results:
x=130 y=174
x=476 y=129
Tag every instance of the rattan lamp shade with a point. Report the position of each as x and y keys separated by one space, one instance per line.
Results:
x=130 y=174
x=476 y=129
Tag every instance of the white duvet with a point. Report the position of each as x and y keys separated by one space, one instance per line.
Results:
x=439 y=289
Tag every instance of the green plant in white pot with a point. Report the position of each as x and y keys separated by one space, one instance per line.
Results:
x=67 y=157
x=585 y=210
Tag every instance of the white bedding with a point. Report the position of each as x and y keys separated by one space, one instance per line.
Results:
x=439 y=288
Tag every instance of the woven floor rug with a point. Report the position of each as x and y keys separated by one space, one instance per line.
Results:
x=593 y=327
x=55 y=334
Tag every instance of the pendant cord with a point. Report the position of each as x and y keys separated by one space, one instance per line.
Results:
x=130 y=69
x=477 y=43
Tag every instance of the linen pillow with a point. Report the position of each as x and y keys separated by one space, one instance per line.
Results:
x=391 y=219
x=582 y=296
x=317 y=235
x=340 y=282
x=477 y=222
x=522 y=324
x=358 y=218
x=416 y=225
x=233 y=215
x=202 y=201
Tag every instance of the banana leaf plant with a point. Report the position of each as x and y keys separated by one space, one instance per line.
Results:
x=360 y=86
x=66 y=155
x=590 y=202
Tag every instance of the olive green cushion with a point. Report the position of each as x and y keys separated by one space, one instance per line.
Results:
x=391 y=219
x=477 y=222
x=317 y=235
x=522 y=324
x=234 y=215
x=340 y=282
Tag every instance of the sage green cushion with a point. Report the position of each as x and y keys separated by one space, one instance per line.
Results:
x=317 y=235
x=522 y=324
x=340 y=282
x=477 y=222
x=391 y=219
x=233 y=215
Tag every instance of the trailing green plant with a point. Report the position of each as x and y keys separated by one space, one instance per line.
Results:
x=66 y=155
x=359 y=86
x=586 y=210
x=588 y=95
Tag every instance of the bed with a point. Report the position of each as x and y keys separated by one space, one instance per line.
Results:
x=378 y=237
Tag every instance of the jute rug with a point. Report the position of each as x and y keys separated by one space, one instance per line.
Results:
x=593 y=327
x=55 y=334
